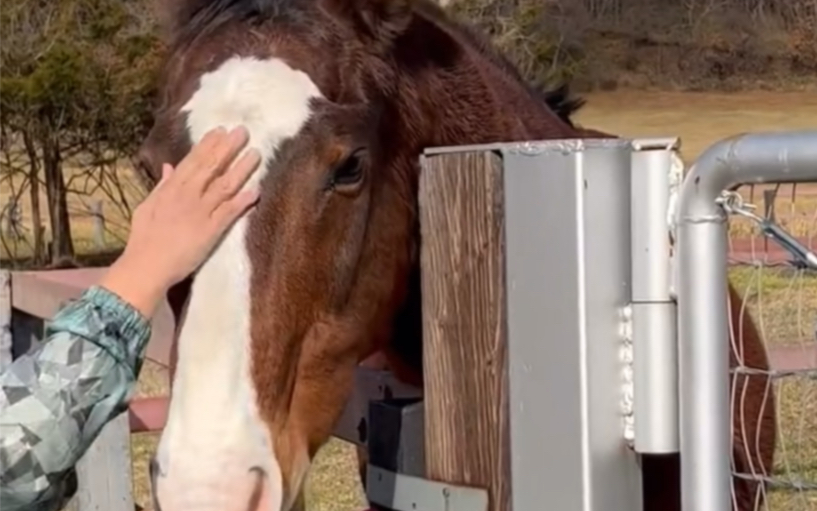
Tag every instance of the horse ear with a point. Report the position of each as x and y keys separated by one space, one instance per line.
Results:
x=383 y=20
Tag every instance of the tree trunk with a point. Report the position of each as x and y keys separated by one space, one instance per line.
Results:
x=36 y=219
x=61 y=245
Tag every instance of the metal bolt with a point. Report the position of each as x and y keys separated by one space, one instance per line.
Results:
x=362 y=431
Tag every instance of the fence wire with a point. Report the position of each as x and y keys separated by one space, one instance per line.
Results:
x=777 y=283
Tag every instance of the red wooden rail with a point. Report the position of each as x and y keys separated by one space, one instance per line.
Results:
x=42 y=293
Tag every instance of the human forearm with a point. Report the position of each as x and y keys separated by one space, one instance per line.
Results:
x=55 y=399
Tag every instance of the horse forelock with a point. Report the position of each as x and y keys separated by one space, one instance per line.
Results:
x=188 y=19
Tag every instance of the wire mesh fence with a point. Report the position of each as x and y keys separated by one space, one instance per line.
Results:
x=774 y=270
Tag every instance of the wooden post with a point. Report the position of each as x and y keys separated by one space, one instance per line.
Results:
x=104 y=472
x=8 y=219
x=99 y=225
x=465 y=350
x=769 y=197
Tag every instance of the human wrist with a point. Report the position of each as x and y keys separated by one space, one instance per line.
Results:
x=135 y=283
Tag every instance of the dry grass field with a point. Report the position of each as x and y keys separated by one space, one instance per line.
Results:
x=784 y=301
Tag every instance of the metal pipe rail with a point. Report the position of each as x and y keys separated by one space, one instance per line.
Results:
x=702 y=310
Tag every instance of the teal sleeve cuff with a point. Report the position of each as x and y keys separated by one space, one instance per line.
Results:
x=103 y=318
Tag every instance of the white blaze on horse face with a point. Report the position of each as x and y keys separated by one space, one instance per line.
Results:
x=214 y=434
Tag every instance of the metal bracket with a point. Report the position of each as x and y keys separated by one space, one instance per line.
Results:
x=401 y=492
x=396 y=441
x=370 y=385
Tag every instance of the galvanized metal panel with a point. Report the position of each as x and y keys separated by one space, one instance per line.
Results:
x=568 y=270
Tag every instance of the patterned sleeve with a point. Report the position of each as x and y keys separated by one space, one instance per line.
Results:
x=55 y=399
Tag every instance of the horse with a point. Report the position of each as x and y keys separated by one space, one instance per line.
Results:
x=340 y=97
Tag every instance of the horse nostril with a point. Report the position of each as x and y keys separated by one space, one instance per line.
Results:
x=258 y=491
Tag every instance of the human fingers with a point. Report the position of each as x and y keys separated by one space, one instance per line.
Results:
x=217 y=157
x=167 y=171
x=229 y=211
x=199 y=154
x=225 y=154
x=228 y=184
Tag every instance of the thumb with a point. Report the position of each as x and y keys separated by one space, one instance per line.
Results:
x=167 y=171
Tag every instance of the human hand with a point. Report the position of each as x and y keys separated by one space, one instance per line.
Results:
x=179 y=223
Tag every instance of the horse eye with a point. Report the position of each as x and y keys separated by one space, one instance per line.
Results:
x=350 y=171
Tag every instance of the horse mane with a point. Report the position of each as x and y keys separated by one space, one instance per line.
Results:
x=562 y=102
